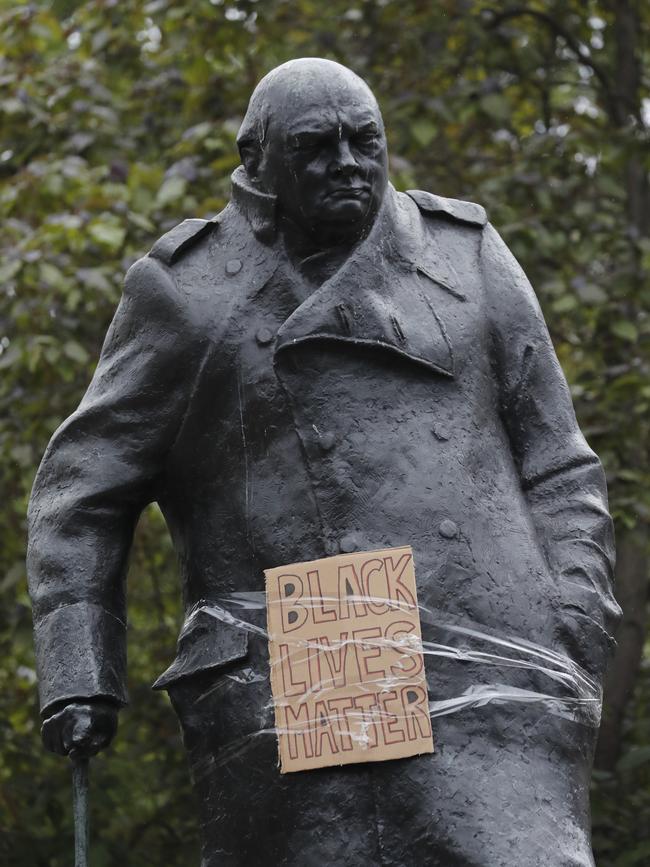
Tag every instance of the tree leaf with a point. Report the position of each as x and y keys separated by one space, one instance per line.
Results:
x=424 y=131
x=625 y=330
x=171 y=190
x=109 y=235
x=75 y=351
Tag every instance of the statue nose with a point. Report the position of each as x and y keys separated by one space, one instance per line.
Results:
x=345 y=162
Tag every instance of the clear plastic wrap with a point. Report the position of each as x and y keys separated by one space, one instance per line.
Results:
x=571 y=693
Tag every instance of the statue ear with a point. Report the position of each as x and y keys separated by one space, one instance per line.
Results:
x=251 y=157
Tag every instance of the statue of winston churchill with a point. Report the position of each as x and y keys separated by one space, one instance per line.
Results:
x=332 y=366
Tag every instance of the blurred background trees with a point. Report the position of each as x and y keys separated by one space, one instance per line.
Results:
x=118 y=119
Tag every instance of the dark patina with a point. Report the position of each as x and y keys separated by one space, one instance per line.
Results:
x=328 y=366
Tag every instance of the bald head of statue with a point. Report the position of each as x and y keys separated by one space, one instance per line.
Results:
x=313 y=136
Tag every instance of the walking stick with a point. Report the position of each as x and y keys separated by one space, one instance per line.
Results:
x=80 y=811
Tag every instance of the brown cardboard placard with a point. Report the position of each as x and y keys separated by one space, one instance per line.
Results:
x=347 y=670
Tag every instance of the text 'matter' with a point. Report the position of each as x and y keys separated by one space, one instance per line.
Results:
x=347 y=670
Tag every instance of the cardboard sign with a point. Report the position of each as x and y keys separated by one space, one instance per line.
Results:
x=347 y=671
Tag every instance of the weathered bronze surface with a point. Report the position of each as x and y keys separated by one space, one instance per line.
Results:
x=329 y=365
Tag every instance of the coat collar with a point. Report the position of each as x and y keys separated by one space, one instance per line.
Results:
x=243 y=247
x=258 y=207
x=380 y=297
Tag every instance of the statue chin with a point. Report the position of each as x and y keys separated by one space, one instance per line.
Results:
x=342 y=218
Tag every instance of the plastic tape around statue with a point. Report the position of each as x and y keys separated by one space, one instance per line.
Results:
x=571 y=693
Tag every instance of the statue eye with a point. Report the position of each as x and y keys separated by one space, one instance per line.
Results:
x=365 y=139
x=305 y=143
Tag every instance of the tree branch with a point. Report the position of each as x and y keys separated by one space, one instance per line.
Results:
x=581 y=53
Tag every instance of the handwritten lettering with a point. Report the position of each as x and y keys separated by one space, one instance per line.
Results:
x=347 y=670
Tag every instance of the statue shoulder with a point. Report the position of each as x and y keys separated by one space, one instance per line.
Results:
x=154 y=277
x=179 y=240
x=468 y=213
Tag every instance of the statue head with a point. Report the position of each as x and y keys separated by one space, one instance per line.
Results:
x=313 y=136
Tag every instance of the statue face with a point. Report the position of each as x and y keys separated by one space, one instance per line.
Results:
x=327 y=164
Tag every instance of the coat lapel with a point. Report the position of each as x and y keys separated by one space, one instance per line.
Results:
x=380 y=297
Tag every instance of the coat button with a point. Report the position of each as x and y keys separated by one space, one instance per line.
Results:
x=348 y=544
x=448 y=529
x=264 y=336
x=440 y=432
x=233 y=266
x=326 y=441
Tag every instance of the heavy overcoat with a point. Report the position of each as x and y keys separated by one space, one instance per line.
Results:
x=413 y=397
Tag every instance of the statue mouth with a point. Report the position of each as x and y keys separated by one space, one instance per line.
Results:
x=348 y=193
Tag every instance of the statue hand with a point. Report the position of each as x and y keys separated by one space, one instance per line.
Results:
x=80 y=729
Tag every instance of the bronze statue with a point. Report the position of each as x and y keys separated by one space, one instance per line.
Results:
x=329 y=366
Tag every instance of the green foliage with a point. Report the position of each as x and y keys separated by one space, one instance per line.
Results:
x=118 y=119
x=621 y=797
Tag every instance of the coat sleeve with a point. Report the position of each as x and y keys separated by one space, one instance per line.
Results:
x=561 y=477
x=102 y=466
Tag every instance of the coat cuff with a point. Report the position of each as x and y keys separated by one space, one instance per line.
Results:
x=80 y=653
